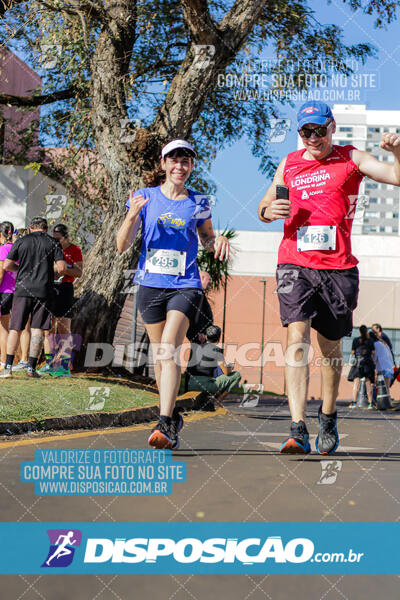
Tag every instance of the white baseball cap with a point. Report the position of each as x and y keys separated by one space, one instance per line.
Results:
x=174 y=145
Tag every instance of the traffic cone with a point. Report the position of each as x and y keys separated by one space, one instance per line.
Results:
x=382 y=396
x=362 y=398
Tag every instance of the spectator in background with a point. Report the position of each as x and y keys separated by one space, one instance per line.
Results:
x=21 y=232
x=204 y=366
x=383 y=359
x=363 y=352
x=382 y=335
x=203 y=317
x=7 y=286
x=32 y=257
x=25 y=339
x=58 y=339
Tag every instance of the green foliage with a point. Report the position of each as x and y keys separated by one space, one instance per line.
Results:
x=218 y=270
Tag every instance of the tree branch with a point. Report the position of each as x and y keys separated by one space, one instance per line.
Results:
x=191 y=86
x=6 y=4
x=92 y=9
x=240 y=20
x=198 y=20
x=38 y=100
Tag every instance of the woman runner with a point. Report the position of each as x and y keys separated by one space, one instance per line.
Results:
x=7 y=286
x=169 y=283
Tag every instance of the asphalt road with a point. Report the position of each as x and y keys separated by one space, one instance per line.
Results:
x=234 y=473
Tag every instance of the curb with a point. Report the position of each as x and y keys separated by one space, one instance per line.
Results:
x=123 y=418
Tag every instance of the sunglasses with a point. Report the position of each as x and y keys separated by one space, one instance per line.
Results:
x=320 y=131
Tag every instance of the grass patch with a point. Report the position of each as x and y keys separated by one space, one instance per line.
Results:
x=23 y=399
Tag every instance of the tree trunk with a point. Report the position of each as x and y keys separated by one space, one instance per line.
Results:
x=102 y=296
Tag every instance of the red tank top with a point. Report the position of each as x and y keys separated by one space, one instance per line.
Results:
x=322 y=192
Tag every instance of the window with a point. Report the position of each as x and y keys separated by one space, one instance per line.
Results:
x=345 y=129
x=372 y=186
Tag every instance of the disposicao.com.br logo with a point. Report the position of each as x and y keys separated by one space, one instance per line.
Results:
x=248 y=551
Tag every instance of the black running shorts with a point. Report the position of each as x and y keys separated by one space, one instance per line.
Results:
x=63 y=299
x=6 y=299
x=154 y=303
x=327 y=297
x=36 y=308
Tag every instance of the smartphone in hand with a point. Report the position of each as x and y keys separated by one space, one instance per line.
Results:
x=282 y=192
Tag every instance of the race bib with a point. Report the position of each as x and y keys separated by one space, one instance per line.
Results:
x=316 y=237
x=167 y=262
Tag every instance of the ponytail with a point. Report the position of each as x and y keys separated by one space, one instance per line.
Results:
x=154 y=178
x=7 y=230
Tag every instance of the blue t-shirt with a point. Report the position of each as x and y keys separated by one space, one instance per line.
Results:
x=171 y=225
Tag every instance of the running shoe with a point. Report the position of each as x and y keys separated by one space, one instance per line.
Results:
x=298 y=441
x=160 y=436
x=176 y=426
x=327 y=439
x=32 y=373
x=60 y=372
x=47 y=369
x=21 y=365
x=5 y=373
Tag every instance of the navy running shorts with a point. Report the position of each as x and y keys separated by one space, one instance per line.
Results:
x=154 y=303
x=327 y=297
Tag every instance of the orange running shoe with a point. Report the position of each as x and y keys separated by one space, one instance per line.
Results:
x=160 y=436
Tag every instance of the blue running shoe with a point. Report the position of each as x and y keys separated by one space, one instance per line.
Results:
x=328 y=439
x=298 y=441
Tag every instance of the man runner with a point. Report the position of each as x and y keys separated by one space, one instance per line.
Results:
x=317 y=277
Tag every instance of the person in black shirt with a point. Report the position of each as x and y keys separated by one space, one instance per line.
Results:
x=32 y=257
x=203 y=366
x=362 y=352
x=203 y=316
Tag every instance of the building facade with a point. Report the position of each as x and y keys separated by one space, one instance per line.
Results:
x=378 y=204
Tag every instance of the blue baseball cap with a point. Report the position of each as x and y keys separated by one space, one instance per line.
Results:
x=315 y=112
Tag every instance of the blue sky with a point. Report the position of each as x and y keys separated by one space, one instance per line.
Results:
x=240 y=185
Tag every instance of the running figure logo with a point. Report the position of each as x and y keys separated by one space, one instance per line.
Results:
x=330 y=471
x=62 y=547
